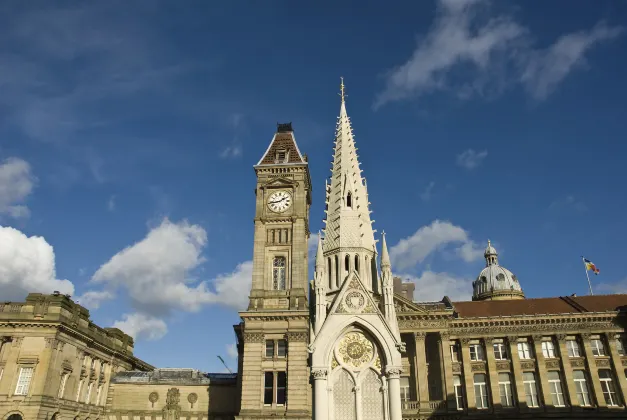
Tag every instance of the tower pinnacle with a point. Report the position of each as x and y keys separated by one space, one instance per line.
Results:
x=342 y=93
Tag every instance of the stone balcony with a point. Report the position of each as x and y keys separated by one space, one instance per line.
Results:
x=423 y=408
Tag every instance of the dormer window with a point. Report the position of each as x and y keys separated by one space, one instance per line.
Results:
x=500 y=277
x=281 y=156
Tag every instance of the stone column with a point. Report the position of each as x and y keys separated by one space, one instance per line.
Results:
x=568 y=370
x=542 y=372
x=593 y=372
x=447 y=372
x=518 y=376
x=619 y=371
x=468 y=379
x=422 y=386
x=394 y=392
x=321 y=405
x=492 y=373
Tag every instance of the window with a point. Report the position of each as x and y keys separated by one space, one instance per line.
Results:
x=500 y=351
x=481 y=391
x=459 y=392
x=281 y=348
x=78 y=390
x=349 y=200
x=607 y=385
x=23 y=381
x=275 y=388
x=357 y=263
x=573 y=348
x=500 y=277
x=531 y=390
x=337 y=270
x=347 y=263
x=555 y=386
x=269 y=348
x=89 y=387
x=597 y=347
x=62 y=384
x=505 y=388
x=278 y=273
x=581 y=385
x=404 y=388
x=524 y=352
x=329 y=272
x=281 y=156
x=454 y=353
x=620 y=346
x=548 y=349
x=476 y=352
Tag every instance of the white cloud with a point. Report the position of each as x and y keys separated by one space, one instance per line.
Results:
x=568 y=202
x=312 y=244
x=432 y=286
x=93 y=298
x=111 y=203
x=428 y=191
x=470 y=159
x=619 y=287
x=231 y=350
x=141 y=326
x=157 y=272
x=415 y=248
x=16 y=183
x=231 y=152
x=545 y=69
x=27 y=264
x=467 y=51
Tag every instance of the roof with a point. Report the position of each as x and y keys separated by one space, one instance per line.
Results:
x=285 y=141
x=544 y=306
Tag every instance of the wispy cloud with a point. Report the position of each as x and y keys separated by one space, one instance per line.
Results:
x=16 y=184
x=425 y=195
x=111 y=203
x=234 y=150
x=568 y=202
x=493 y=51
x=470 y=159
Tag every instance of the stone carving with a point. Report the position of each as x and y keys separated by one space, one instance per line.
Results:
x=355 y=300
x=377 y=363
x=577 y=363
x=296 y=336
x=172 y=409
x=537 y=338
x=527 y=365
x=355 y=349
x=552 y=364
x=334 y=363
x=153 y=398
x=465 y=340
x=192 y=398
x=319 y=373
x=603 y=362
x=253 y=337
x=477 y=367
x=457 y=368
x=561 y=337
x=405 y=324
x=512 y=338
x=393 y=372
x=502 y=365
x=369 y=309
x=420 y=336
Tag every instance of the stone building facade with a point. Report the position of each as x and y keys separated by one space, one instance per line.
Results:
x=350 y=344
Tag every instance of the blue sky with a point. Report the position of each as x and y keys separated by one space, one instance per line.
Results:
x=128 y=132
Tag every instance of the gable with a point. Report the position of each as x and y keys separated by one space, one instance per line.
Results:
x=404 y=305
x=353 y=298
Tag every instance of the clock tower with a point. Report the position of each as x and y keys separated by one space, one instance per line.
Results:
x=274 y=331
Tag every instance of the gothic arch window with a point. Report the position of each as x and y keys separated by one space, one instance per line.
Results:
x=337 y=270
x=347 y=263
x=329 y=272
x=278 y=273
x=356 y=262
x=349 y=200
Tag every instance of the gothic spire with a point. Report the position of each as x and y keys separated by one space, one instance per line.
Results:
x=385 y=257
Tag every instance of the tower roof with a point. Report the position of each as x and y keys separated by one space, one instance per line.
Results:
x=494 y=281
x=348 y=221
x=283 y=148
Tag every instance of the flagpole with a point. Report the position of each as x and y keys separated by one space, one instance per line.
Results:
x=587 y=275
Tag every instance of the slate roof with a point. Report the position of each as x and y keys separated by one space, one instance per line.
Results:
x=282 y=140
x=541 y=306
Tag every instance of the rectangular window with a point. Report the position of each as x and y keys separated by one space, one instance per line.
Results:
x=500 y=351
x=524 y=351
x=281 y=388
x=269 y=348
x=404 y=388
x=481 y=391
x=454 y=353
x=607 y=385
x=573 y=348
x=23 y=381
x=581 y=386
x=281 y=156
x=476 y=352
x=268 y=388
x=88 y=396
x=78 y=390
x=548 y=349
x=597 y=347
x=531 y=390
x=459 y=392
x=505 y=388
x=281 y=350
x=620 y=346
x=278 y=273
x=555 y=386
x=62 y=384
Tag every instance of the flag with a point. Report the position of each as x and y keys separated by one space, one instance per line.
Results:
x=590 y=266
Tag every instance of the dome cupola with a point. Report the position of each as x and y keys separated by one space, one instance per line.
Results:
x=495 y=282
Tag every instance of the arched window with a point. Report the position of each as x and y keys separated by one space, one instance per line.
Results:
x=357 y=263
x=347 y=263
x=337 y=270
x=278 y=273
x=329 y=272
x=349 y=200
x=15 y=417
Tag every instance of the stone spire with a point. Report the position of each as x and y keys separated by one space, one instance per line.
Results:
x=320 y=289
x=388 y=288
x=348 y=223
x=385 y=257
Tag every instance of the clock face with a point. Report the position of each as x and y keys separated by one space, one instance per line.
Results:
x=279 y=201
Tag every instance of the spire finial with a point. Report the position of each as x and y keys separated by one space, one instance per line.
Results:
x=342 y=93
x=489 y=242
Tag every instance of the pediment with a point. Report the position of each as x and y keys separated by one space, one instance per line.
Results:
x=353 y=298
x=404 y=305
x=279 y=182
